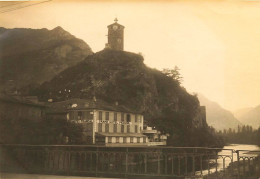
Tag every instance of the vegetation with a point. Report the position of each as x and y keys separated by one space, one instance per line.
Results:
x=243 y=135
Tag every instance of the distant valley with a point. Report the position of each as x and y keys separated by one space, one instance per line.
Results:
x=217 y=116
x=249 y=116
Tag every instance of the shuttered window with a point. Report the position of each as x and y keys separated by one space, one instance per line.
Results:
x=107 y=116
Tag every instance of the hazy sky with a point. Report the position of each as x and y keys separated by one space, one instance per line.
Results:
x=216 y=44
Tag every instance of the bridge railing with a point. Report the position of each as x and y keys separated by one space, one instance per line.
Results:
x=125 y=161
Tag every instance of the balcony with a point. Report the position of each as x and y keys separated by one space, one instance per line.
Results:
x=149 y=131
x=156 y=143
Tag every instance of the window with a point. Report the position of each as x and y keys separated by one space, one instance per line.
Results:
x=122 y=117
x=99 y=127
x=128 y=128
x=124 y=139
x=138 y=139
x=136 y=128
x=128 y=118
x=122 y=128
x=109 y=139
x=136 y=118
x=115 y=128
x=100 y=115
x=117 y=139
x=79 y=115
x=88 y=115
x=131 y=140
x=115 y=116
x=107 y=116
x=107 y=128
x=144 y=139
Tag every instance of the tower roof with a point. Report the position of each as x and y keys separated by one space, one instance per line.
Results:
x=116 y=20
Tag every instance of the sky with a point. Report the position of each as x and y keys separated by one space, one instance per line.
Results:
x=216 y=44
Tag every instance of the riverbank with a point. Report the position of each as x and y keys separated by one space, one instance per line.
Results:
x=244 y=169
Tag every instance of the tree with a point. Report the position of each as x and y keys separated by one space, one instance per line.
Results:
x=173 y=73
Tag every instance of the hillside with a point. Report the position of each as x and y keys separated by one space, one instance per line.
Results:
x=250 y=117
x=33 y=56
x=116 y=76
x=217 y=116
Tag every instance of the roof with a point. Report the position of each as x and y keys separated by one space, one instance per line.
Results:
x=120 y=134
x=83 y=104
x=19 y=99
x=116 y=24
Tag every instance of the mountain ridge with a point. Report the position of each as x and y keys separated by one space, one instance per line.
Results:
x=251 y=116
x=217 y=116
x=33 y=56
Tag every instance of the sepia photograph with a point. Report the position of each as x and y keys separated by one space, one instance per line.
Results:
x=139 y=89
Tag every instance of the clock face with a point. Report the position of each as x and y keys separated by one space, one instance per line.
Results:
x=115 y=27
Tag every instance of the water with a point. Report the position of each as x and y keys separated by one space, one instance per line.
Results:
x=226 y=154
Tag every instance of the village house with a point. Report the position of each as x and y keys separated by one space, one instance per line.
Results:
x=18 y=107
x=103 y=123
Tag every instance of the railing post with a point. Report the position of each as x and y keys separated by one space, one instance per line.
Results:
x=232 y=169
x=126 y=161
x=238 y=165
x=172 y=164
x=165 y=164
x=97 y=153
x=145 y=163
x=193 y=164
x=159 y=162
x=186 y=164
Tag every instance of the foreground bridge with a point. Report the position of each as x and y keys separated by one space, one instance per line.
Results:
x=130 y=162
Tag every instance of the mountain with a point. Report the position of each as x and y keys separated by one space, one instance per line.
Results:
x=250 y=116
x=241 y=112
x=33 y=56
x=217 y=116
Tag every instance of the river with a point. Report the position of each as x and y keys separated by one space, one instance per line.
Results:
x=226 y=152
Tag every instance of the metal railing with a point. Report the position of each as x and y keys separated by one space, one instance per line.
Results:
x=193 y=162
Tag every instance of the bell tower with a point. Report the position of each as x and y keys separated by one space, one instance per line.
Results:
x=115 y=36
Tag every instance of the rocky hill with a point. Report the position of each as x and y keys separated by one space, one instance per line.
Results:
x=33 y=56
x=250 y=116
x=218 y=117
x=119 y=76
x=115 y=76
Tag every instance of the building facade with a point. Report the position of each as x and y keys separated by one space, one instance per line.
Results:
x=103 y=123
